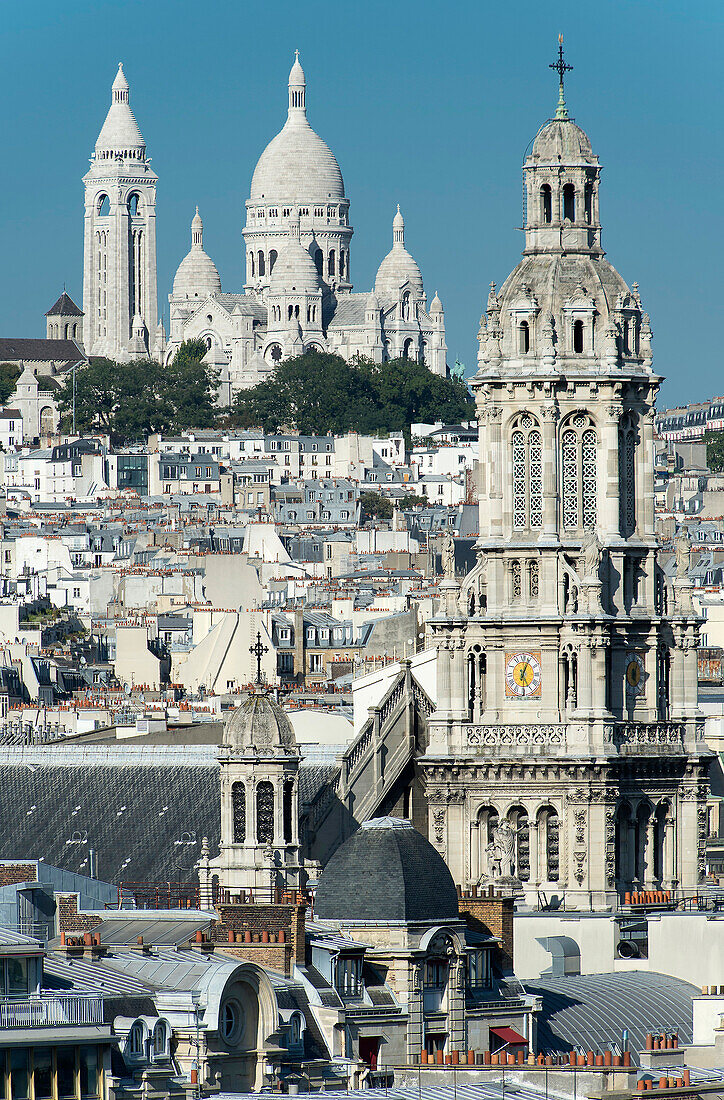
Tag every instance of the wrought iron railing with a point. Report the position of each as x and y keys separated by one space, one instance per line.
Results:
x=51 y=1010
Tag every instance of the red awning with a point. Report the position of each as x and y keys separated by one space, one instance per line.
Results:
x=508 y=1035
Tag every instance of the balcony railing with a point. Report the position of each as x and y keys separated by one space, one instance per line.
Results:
x=51 y=1010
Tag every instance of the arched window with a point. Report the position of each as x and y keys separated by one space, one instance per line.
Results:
x=523 y=338
x=330 y=263
x=588 y=202
x=578 y=336
x=295 y=1030
x=265 y=812
x=251 y=264
x=296 y=311
x=288 y=810
x=103 y=206
x=548 y=839
x=75 y=331
x=260 y=262
x=527 y=469
x=476 y=682
x=405 y=310
x=319 y=262
x=134 y=203
x=160 y=1039
x=135 y=1039
x=272 y=259
x=578 y=473
x=546 y=204
x=624 y=840
x=238 y=807
x=407 y=349
x=663 y=672
x=627 y=475
x=569 y=679
x=569 y=202
x=341 y=264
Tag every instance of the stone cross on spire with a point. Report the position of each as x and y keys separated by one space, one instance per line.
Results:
x=561 y=68
x=258 y=650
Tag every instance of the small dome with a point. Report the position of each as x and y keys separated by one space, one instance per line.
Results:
x=386 y=871
x=373 y=301
x=197 y=274
x=120 y=130
x=560 y=140
x=294 y=270
x=436 y=305
x=259 y=725
x=398 y=266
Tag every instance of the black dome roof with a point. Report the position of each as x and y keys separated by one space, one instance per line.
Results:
x=386 y=871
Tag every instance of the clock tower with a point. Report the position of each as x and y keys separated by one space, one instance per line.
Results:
x=567 y=670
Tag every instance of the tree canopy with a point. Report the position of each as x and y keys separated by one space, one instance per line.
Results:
x=376 y=506
x=9 y=374
x=129 y=400
x=714 y=451
x=318 y=392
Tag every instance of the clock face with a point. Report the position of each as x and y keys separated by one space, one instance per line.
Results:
x=523 y=675
x=634 y=673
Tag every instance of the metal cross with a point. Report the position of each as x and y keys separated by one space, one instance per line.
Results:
x=258 y=651
x=560 y=65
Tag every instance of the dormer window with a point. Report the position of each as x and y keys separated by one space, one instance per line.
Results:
x=523 y=338
x=578 y=336
x=134 y=1046
x=348 y=976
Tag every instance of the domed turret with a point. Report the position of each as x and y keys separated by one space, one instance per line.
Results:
x=120 y=135
x=386 y=871
x=261 y=727
x=197 y=274
x=398 y=266
x=435 y=305
x=294 y=269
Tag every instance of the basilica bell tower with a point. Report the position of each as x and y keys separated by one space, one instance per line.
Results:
x=566 y=725
x=119 y=251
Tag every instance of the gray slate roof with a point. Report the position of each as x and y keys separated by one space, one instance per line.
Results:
x=590 y=1011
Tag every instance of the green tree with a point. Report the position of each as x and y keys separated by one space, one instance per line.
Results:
x=318 y=393
x=412 y=500
x=9 y=374
x=129 y=400
x=714 y=451
x=376 y=506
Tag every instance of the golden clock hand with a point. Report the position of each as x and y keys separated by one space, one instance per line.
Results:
x=523 y=667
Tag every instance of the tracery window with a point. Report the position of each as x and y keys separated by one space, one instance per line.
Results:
x=265 y=812
x=238 y=806
x=527 y=465
x=627 y=475
x=578 y=471
x=515 y=583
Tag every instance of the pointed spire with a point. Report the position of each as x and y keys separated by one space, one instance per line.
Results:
x=297 y=88
x=561 y=68
x=398 y=228
x=197 y=231
x=120 y=86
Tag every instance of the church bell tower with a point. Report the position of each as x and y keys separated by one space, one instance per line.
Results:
x=119 y=252
x=567 y=668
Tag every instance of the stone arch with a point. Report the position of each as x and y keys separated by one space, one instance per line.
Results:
x=548 y=830
x=47 y=420
x=103 y=205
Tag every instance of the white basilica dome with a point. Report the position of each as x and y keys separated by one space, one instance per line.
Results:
x=197 y=274
x=398 y=266
x=294 y=270
x=297 y=166
x=120 y=132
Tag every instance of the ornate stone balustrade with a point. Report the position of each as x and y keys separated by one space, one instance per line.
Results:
x=645 y=733
x=482 y=737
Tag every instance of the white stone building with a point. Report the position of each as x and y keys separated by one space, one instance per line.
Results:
x=298 y=291
x=566 y=749
x=119 y=251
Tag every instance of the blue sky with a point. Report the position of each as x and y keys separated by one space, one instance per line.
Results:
x=431 y=105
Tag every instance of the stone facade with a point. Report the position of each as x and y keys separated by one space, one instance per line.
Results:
x=298 y=291
x=566 y=752
x=119 y=252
